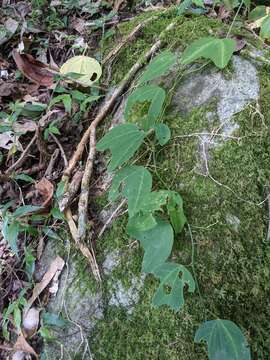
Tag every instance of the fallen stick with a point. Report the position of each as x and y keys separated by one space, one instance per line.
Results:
x=84 y=196
x=72 y=190
x=108 y=105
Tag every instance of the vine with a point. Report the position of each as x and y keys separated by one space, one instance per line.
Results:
x=154 y=217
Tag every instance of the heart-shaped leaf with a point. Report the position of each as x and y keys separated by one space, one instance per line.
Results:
x=171 y=288
x=87 y=68
x=159 y=66
x=217 y=50
x=136 y=182
x=176 y=211
x=151 y=93
x=224 y=340
x=157 y=244
x=122 y=141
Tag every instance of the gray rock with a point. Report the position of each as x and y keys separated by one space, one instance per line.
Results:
x=77 y=302
x=232 y=95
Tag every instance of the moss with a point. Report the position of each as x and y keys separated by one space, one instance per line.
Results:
x=232 y=262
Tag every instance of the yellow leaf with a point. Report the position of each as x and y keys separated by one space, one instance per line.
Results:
x=88 y=67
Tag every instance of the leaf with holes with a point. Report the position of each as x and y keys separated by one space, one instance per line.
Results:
x=217 y=50
x=163 y=133
x=224 y=339
x=87 y=68
x=154 y=201
x=150 y=93
x=136 y=182
x=122 y=141
x=157 y=244
x=173 y=279
x=159 y=66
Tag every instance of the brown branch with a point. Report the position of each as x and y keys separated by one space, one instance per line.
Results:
x=84 y=196
x=23 y=156
x=60 y=148
x=72 y=190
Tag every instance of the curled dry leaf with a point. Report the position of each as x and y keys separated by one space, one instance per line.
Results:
x=57 y=265
x=18 y=355
x=45 y=189
x=33 y=69
x=22 y=345
x=31 y=322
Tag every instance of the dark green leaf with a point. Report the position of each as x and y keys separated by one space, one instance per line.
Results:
x=173 y=279
x=157 y=244
x=163 y=133
x=29 y=262
x=159 y=66
x=51 y=319
x=224 y=340
x=10 y=231
x=150 y=93
x=65 y=99
x=122 y=141
x=24 y=177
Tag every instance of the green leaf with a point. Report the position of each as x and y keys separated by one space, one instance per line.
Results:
x=176 y=211
x=88 y=100
x=154 y=201
x=24 y=177
x=122 y=141
x=183 y=7
x=45 y=333
x=136 y=181
x=31 y=110
x=257 y=13
x=171 y=288
x=65 y=99
x=224 y=340
x=265 y=28
x=163 y=133
x=10 y=231
x=140 y=222
x=52 y=319
x=217 y=50
x=29 y=263
x=152 y=93
x=17 y=317
x=157 y=244
x=159 y=66
x=26 y=210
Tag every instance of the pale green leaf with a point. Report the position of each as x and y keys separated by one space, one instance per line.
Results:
x=89 y=69
x=159 y=66
x=163 y=133
x=51 y=319
x=257 y=13
x=154 y=201
x=176 y=211
x=173 y=279
x=29 y=263
x=140 y=222
x=217 y=50
x=26 y=210
x=157 y=244
x=185 y=4
x=122 y=141
x=17 y=316
x=265 y=28
x=150 y=93
x=136 y=182
x=224 y=339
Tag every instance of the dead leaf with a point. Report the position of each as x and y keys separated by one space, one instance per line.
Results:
x=224 y=13
x=24 y=126
x=31 y=322
x=11 y=26
x=22 y=345
x=117 y=4
x=18 y=355
x=45 y=189
x=15 y=90
x=33 y=69
x=8 y=140
x=57 y=265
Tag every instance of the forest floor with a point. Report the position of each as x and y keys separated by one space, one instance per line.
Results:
x=43 y=119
